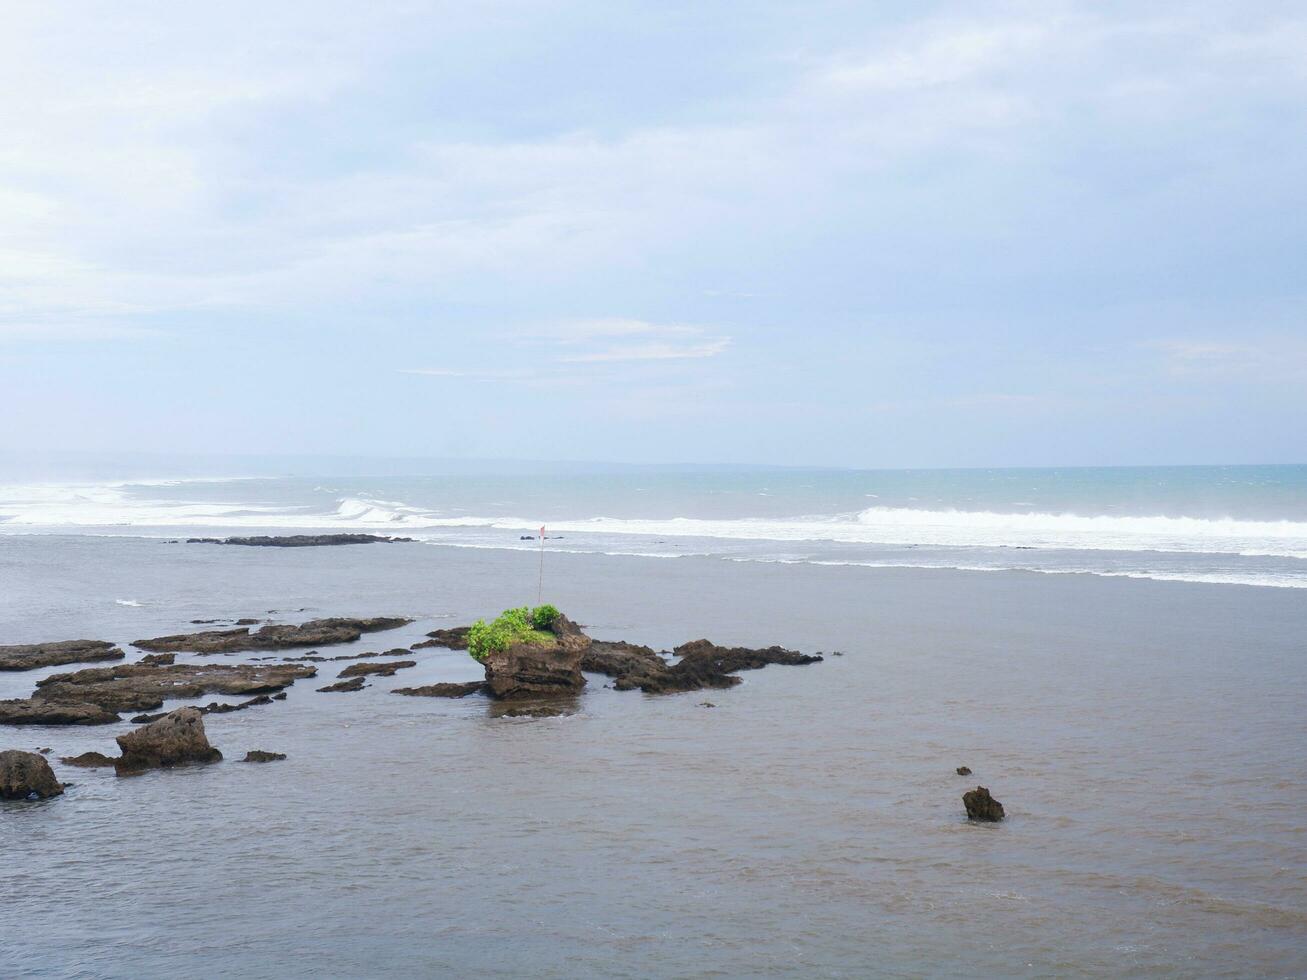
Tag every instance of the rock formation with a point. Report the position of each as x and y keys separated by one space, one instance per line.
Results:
x=173 y=740
x=31 y=655
x=701 y=665
x=963 y=771
x=25 y=775
x=981 y=806
x=443 y=690
x=317 y=632
x=258 y=755
x=353 y=684
x=454 y=638
x=527 y=670
x=382 y=668
x=89 y=760
x=299 y=540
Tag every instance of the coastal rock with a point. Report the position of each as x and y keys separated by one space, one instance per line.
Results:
x=453 y=638
x=981 y=806
x=963 y=771
x=258 y=755
x=212 y=708
x=317 y=632
x=142 y=687
x=35 y=711
x=89 y=760
x=157 y=660
x=31 y=655
x=25 y=775
x=353 y=684
x=299 y=540
x=617 y=658
x=703 y=664
x=443 y=690
x=173 y=740
x=383 y=668
x=525 y=670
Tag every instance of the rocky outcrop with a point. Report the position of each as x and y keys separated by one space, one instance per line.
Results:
x=382 y=668
x=36 y=711
x=32 y=655
x=443 y=690
x=175 y=739
x=314 y=657
x=89 y=760
x=317 y=632
x=981 y=806
x=142 y=687
x=454 y=638
x=342 y=687
x=299 y=540
x=212 y=708
x=258 y=755
x=527 y=670
x=26 y=775
x=702 y=665
x=617 y=658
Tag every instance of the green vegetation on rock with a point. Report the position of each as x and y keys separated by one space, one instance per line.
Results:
x=513 y=626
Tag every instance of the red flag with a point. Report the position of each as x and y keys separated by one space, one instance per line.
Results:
x=542 y=530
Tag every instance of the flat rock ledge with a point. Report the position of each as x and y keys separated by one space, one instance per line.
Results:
x=32 y=655
x=702 y=664
x=176 y=739
x=453 y=638
x=443 y=690
x=381 y=668
x=258 y=755
x=300 y=540
x=27 y=776
x=317 y=632
x=95 y=695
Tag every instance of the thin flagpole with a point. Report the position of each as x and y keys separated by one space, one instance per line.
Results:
x=540 y=584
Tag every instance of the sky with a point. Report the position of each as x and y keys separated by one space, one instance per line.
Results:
x=869 y=234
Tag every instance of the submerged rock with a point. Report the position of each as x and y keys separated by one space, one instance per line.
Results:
x=454 y=638
x=31 y=655
x=317 y=632
x=443 y=690
x=212 y=708
x=26 y=775
x=258 y=755
x=527 y=670
x=175 y=739
x=299 y=540
x=385 y=668
x=89 y=760
x=981 y=806
x=353 y=684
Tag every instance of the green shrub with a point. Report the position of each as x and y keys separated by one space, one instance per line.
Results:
x=513 y=626
x=542 y=617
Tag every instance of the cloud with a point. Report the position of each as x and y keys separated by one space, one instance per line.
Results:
x=1265 y=358
x=638 y=340
x=651 y=352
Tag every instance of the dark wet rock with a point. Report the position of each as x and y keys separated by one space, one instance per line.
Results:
x=300 y=540
x=383 y=668
x=981 y=806
x=258 y=755
x=175 y=739
x=526 y=670
x=213 y=708
x=137 y=687
x=454 y=638
x=45 y=751
x=443 y=690
x=31 y=655
x=157 y=660
x=317 y=632
x=26 y=775
x=248 y=622
x=89 y=760
x=279 y=696
x=314 y=657
x=963 y=771
x=353 y=684
x=35 y=711
x=706 y=704
x=705 y=665
x=617 y=658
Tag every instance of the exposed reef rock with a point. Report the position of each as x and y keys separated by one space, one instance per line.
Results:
x=384 y=668
x=258 y=755
x=175 y=739
x=443 y=690
x=454 y=638
x=317 y=632
x=617 y=658
x=702 y=665
x=95 y=695
x=213 y=708
x=353 y=684
x=963 y=771
x=314 y=657
x=157 y=660
x=981 y=806
x=26 y=775
x=299 y=540
x=89 y=760
x=527 y=670
x=31 y=655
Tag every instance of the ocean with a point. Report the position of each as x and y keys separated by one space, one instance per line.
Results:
x=1118 y=654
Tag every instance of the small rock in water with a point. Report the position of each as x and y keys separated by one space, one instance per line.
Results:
x=26 y=776
x=45 y=751
x=981 y=806
x=963 y=771
x=706 y=704
x=89 y=760
x=353 y=684
x=258 y=755
x=175 y=739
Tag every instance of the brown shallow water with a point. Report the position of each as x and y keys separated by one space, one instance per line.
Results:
x=1147 y=739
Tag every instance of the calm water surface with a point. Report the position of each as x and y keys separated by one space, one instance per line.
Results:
x=1146 y=737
